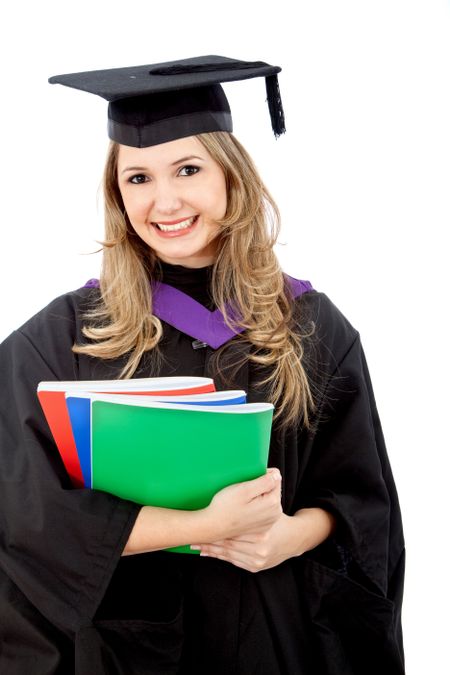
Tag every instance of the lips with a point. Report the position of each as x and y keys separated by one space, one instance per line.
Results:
x=176 y=226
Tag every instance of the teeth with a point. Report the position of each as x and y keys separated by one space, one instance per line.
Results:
x=179 y=226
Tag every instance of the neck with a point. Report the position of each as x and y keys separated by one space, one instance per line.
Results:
x=194 y=262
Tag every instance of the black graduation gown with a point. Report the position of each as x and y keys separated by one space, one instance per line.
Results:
x=70 y=604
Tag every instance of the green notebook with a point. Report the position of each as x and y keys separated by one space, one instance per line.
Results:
x=177 y=456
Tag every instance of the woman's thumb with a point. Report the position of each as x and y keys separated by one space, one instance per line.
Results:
x=265 y=483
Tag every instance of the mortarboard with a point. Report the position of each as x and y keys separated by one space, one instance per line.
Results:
x=162 y=102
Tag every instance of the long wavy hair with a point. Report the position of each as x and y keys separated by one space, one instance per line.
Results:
x=245 y=276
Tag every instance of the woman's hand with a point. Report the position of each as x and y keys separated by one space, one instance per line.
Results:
x=249 y=507
x=286 y=537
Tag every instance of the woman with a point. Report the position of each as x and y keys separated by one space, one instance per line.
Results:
x=303 y=579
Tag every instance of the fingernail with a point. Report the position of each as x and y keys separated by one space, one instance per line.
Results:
x=276 y=475
x=195 y=548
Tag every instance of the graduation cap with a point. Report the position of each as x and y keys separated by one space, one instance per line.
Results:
x=162 y=102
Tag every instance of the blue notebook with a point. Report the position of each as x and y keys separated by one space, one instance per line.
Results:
x=79 y=409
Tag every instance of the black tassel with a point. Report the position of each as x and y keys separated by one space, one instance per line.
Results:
x=275 y=105
x=272 y=86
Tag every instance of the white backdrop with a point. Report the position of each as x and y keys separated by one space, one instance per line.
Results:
x=361 y=178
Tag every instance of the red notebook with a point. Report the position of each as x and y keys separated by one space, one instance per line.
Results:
x=52 y=399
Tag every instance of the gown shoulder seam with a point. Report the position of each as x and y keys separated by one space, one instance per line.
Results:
x=20 y=332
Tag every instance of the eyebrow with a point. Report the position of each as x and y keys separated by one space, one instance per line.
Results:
x=187 y=159
x=178 y=161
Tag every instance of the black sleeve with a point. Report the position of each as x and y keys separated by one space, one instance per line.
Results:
x=58 y=545
x=346 y=471
x=349 y=474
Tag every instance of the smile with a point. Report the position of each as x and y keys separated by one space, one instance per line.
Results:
x=182 y=225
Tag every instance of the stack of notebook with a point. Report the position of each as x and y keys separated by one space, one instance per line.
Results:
x=171 y=442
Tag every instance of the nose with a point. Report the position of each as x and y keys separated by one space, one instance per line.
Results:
x=166 y=199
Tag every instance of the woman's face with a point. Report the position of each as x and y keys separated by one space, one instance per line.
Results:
x=174 y=194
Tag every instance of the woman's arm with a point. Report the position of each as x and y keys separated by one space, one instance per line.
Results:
x=236 y=510
x=311 y=527
x=287 y=537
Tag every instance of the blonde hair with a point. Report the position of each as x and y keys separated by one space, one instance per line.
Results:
x=246 y=274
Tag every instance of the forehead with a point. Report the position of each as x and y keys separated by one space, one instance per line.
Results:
x=164 y=153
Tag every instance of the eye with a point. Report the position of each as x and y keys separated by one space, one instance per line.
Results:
x=138 y=178
x=189 y=170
